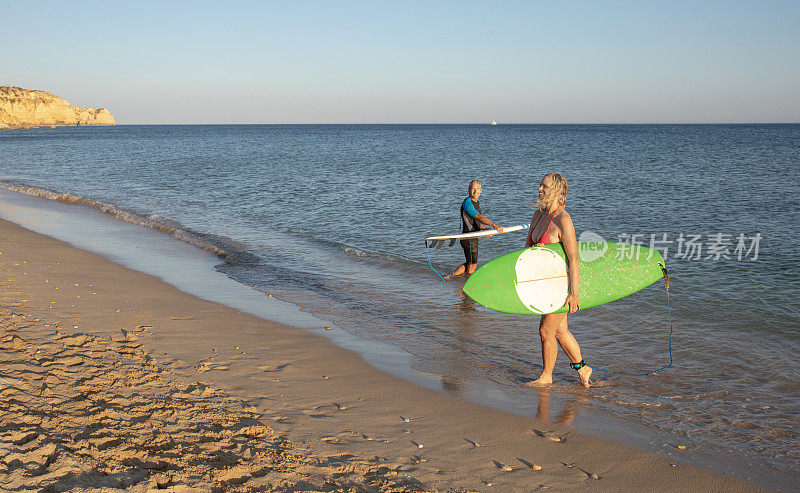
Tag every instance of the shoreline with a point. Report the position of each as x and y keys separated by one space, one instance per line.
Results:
x=327 y=401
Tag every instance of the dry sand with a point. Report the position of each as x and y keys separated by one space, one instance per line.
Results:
x=112 y=379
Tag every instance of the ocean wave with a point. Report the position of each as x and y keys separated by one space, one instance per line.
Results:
x=396 y=261
x=232 y=251
x=360 y=252
x=225 y=248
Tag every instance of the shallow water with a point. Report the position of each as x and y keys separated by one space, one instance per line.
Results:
x=330 y=218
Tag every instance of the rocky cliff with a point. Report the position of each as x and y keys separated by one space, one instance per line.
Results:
x=23 y=108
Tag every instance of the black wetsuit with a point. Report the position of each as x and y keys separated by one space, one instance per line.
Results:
x=469 y=209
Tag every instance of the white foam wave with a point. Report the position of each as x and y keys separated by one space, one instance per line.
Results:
x=158 y=223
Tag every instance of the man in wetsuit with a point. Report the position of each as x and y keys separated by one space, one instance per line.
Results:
x=472 y=220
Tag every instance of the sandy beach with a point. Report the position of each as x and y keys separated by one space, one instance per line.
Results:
x=112 y=379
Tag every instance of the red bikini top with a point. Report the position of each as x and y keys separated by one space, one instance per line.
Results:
x=545 y=238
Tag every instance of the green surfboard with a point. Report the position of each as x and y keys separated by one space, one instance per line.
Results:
x=534 y=281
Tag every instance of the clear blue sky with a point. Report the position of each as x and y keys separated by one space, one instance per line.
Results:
x=408 y=62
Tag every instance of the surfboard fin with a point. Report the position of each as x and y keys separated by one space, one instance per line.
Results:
x=452 y=242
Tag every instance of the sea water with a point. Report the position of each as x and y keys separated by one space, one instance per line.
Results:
x=330 y=218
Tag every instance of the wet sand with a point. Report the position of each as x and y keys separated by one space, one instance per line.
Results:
x=111 y=378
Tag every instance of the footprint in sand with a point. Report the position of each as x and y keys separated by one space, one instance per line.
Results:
x=176 y=363
x=317 y=412
x=13 y=342
x=343 y=438
x=323 y=407
x=199 y=389
x=126 y=336
x=204 y=367
x=76 y=340
x=273 y=369
x=371 y=439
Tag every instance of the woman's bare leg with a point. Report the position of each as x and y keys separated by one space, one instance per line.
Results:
x=548 y=327
x=570 y=346
x=567 y=342
x=554 y=332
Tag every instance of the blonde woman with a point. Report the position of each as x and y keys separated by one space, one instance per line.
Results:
x=552 y=224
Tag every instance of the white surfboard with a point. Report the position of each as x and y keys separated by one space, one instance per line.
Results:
x=439 y=241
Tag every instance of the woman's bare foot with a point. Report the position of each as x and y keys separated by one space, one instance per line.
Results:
x=539 y=382
x=585 y=372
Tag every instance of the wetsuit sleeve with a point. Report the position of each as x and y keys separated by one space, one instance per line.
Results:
x=469 y=208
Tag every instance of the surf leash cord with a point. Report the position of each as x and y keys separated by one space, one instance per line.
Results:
x=428 y=252
x=669 y=318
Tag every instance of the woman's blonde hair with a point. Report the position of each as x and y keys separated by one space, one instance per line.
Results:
x=557 y=191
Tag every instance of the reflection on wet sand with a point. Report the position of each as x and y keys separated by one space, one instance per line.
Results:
x=466 y=304
x=569 y=408
x=451 y=381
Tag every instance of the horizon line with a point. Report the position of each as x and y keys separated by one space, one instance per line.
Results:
x=477 y=123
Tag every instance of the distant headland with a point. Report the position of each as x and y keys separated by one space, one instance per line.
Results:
x=25 y=108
